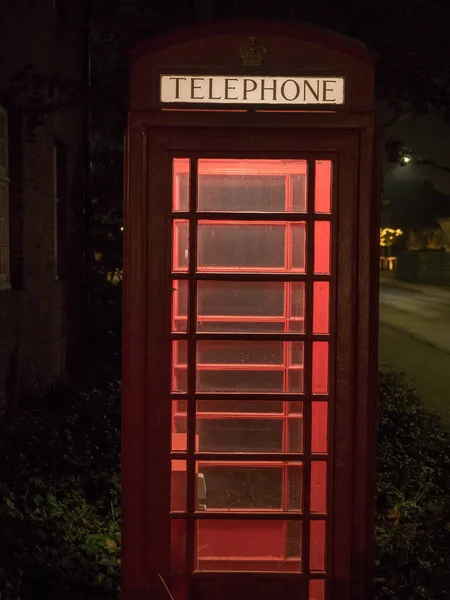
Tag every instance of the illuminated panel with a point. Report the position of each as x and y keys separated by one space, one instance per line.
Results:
x=317 y=589
x=320 y=368
x=319 y=438
x=318 y=486
x=317 y=545
x=178 y=486
x=251 y=185
x=179 y=426
x=253 y=366
x=323 y=186
x=179 y=363
x=180 y=245
x=321 y=311
x=180 y=183
x=249 y=426
x=245 y=314
x=251 y=247
x=322 y=247
x=247 y=307
x=249 y=545
x=179 y=305
x=255 y=486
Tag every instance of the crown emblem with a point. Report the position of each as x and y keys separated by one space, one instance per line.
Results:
x=251 y=54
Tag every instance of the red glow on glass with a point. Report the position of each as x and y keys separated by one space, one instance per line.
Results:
x=179 y=424
x=323 y=186
x=249 y=366
x=319 y=439
x=178 y=486
x=318 y=486
x=179 y=364
x=320 y=368
x=321 y=313
x=322 y=246
x=177 y=546
x=317 y=589
x=180 y=245
x=180 y=184
x=251 y=246
x=317 y=545
x=248 y=545
x=179 y=305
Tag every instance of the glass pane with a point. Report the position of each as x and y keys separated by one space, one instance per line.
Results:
x=321 y=313
x=317 y=545
x=322 y=245
x=299 y=192
x=208 y=408
x=319 y=439
x=318 y=486
x=248 y=426
x=179 y=364
x=180 y=245
x=180 y=182
x=255 y=486
x=295 y=434
x=248 y=545
x=323 y=186
x=249 y=366
x=178 y=486
x=296 y=291
x=317 y=589
x=249 y=247
x=298 y=252
x=320 y=368
x=296 y=381
x=239 y=434
x=179 y=305
x=250 y=307
x=179 y=422
x=252 y=185
x=177 y=546
x=294 y=539
x=295 y=486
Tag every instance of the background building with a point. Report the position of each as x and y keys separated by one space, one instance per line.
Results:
x=41 y=191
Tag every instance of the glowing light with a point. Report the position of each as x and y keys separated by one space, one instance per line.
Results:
x=388 y=236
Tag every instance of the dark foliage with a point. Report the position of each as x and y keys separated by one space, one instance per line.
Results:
x=414 y=205
x=413 y=497
x=60 y=498
x=59 y=509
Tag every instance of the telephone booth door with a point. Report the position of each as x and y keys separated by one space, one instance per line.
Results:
x=252 y=290
x=248 y=350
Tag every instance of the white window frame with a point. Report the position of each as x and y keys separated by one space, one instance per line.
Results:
x=4 y=202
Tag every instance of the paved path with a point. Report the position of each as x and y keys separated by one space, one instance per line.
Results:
x=415 y=340
x=423 y=315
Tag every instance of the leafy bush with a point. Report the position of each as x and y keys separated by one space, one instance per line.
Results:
x=59 y=484
x=60 y=490
x=413 y=497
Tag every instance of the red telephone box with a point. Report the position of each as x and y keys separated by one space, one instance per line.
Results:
x=250 y=316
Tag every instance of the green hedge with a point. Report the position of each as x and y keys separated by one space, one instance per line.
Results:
x=428 y=267
x=413 y=497
x=59 y=483
x=60 y=490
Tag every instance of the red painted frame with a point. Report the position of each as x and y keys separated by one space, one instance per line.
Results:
x=154 y=138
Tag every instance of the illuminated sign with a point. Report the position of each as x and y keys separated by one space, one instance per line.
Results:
x=242 y=89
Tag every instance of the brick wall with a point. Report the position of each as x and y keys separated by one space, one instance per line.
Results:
x=35 y=330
